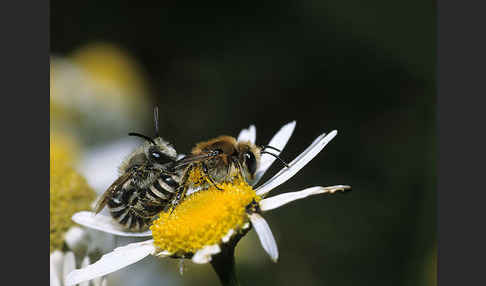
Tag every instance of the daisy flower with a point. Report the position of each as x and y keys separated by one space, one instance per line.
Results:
x=206 y=226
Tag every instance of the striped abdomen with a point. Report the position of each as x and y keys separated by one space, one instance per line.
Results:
x=134 y=208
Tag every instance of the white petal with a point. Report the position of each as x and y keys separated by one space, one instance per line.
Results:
x=248 y=134
x=120 y=257
x=278 y=141
x=163 y=253
x=77 y=239
x=84 y=264
x=69 y=264
x=97 y=281
x=105 y=224
x=55 y=268
x=265 y=235
x=298 y=163
x=204 y=254
x=280 y=200
x=228 y=236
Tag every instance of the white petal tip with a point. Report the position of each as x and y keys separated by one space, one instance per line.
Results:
x=285 y=198
x=205 y=254
x=164 y=253
x=248 y=134
x=228 y=236
x=264 y=235
x=119 y=258
x=338 y=188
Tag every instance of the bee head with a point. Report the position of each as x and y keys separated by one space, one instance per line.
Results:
x=155 y=151
x=249 y=157
x=161 y=152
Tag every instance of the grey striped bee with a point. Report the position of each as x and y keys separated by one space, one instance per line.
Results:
x=146 y=185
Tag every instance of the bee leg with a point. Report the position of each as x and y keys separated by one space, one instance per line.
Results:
x=182 y=189
x=181 y=193
x=206 y=172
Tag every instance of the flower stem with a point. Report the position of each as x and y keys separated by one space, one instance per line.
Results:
x=224 y=265
x=224 y=262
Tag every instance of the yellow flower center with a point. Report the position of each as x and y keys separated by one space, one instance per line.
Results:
x=204 y=218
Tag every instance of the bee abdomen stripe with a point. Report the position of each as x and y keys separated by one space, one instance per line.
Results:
x=129 y=221
x=123 y=215
x=151 y=197
x=165 y=186
x=169 y=180
x=157 y=192
x=133 y=197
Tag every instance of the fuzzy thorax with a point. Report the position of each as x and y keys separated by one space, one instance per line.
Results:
x=204 y=218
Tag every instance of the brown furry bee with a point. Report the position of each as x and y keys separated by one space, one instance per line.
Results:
x=220 y=160
x=146 y=186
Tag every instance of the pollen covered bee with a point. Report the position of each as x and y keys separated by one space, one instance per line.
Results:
x=146 y=186
x=219 y=160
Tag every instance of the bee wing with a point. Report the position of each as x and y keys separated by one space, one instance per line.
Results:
x=193 y=158
x=112 y=190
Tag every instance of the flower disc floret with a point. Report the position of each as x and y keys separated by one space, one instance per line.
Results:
x=204 y=218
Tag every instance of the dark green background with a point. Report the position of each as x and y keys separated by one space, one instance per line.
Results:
x=365 y=68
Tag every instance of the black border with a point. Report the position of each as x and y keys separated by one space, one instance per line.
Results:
x=461 y=109
x=25 y=134
x=461 y=91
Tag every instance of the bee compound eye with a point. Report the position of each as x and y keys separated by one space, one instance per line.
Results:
x=250 y=162
x=159 y=157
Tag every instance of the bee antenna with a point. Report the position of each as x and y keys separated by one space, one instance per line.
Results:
x=270 y=147
x=143 y=136
x=156 y=120
x=280 y=159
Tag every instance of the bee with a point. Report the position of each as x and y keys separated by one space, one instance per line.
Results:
x=220 y=160
x=146 y=185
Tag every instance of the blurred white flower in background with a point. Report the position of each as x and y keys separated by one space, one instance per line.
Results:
x=82 y=244
x=70 y=245
x=98 y=93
